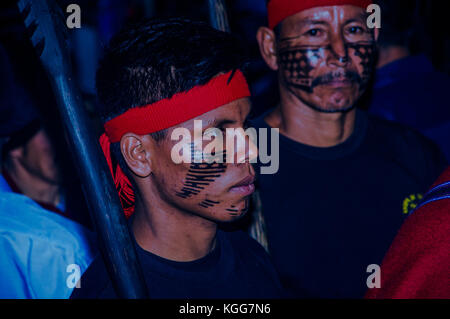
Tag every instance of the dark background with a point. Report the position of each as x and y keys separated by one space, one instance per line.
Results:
x=102 y=18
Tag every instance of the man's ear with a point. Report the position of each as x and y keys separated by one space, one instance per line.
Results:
x=136 y=150
x=267 y=46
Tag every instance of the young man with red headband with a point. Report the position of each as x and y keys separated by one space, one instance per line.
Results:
x=157 y=77
x=346 y=180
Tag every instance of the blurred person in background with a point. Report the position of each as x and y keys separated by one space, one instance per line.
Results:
x=39 y=233
x=407 y=88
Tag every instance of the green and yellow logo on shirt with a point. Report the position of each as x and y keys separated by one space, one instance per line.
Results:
x=411 y=202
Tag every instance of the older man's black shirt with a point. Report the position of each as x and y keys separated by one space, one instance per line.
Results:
x=332 y=212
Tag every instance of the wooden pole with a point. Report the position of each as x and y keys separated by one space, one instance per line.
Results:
x=46 y=24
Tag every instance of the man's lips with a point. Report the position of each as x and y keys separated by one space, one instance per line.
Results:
x=244 y=187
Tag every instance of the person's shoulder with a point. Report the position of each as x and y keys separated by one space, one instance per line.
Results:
x=398 y=131
x=32 y=238
x=420 y=157
x=428 y=225
x=403 y=139
x=431 y=221
x=21 y=216
x=417 y=261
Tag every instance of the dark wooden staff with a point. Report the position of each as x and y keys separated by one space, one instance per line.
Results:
x=218 y=15
x=46 y=24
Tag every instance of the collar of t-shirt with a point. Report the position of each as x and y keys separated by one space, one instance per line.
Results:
x=350 y=145
x=219 y=263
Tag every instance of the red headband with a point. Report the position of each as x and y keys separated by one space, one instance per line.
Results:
x=179 y=108
x=166 y=113
x=278 y=10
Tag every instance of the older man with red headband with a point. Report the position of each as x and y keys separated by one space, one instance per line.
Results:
x=155 y=78
x=346 y=180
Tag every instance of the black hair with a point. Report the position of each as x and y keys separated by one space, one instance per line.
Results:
x=156 y=59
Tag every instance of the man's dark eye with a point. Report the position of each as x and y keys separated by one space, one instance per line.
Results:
x=356 y=30
x=313 y=32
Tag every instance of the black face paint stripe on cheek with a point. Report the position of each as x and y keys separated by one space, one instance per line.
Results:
x=366 y=52
x=235 y=212
x=199 y=176
x=297 y=65
x=208 y=203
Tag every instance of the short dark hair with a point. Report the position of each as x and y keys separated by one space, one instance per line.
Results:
x=156 y=59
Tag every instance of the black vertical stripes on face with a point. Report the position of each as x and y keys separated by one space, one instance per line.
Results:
x=199 y=176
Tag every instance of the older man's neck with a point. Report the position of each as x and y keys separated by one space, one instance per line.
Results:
x=307 y=126
x=170 y=234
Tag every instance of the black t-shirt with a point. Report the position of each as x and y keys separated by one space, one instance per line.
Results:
x=238 y=267
x=331 y=212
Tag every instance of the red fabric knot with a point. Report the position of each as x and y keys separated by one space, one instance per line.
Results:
x=121 y=181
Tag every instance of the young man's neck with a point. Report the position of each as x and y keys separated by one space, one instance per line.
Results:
x=33 y=186
x=305 y=125
x=170 y=233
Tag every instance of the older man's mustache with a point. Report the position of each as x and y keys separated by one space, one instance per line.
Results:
x=342 y=76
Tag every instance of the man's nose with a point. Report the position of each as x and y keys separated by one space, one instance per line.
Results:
x=339 y=52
